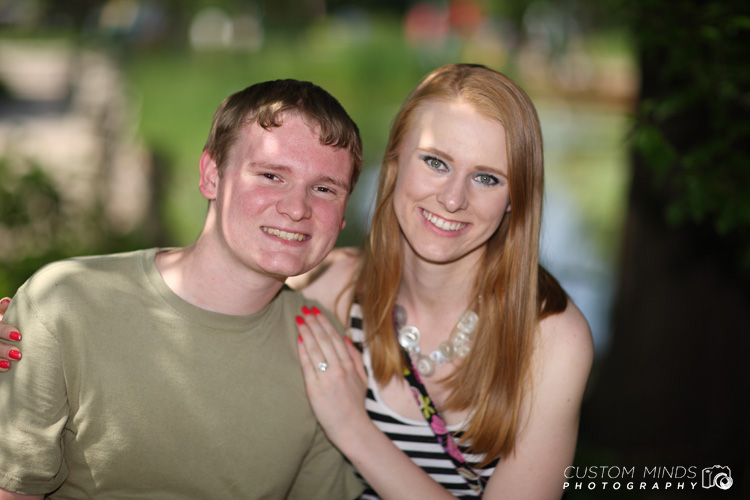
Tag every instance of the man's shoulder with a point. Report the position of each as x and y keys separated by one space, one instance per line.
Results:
x=83 y=269
x=294 y=299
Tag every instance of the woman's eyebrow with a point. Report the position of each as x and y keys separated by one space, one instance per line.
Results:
x=483 y=168
x=438 y=152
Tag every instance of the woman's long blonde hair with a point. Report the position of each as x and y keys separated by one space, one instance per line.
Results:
x=515 y=291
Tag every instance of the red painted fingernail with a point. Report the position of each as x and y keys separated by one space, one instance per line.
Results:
x=6 y=300
x=15 y=354
x=315 y=311
x=299 y=338
x=305 y=310
x=14 y=336
x=300 y=320
x=348 y=340
x=4 y=365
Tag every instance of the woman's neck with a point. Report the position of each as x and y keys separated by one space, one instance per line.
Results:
x=428 y=286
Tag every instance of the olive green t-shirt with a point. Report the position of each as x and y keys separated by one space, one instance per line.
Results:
x=128 y=391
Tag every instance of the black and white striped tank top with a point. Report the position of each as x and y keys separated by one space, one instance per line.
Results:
x=413 y=437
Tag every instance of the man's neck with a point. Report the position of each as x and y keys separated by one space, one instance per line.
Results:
x=213 y=284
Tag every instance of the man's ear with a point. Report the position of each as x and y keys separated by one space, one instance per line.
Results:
x=343 y=224
x=209 y=176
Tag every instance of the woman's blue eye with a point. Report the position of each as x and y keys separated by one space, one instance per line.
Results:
x=435 y=163
x=486 y=179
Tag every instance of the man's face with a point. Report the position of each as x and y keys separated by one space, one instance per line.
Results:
x=280 y=201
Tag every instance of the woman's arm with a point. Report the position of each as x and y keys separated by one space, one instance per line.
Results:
x=9 y=495
x=8 y=332
x=337 y=396
x=546 y=443
x=547 y=438
x=328 y=279
x=8 y=352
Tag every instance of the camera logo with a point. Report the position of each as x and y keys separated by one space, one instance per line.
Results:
x=718 y=476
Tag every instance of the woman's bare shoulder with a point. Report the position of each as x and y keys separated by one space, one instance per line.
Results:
x=328 y=279
x=565 y=342
x=547 y=436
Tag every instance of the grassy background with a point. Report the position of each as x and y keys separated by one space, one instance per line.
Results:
x=178 y=92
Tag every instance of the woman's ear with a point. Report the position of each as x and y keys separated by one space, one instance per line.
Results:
x=209 y=176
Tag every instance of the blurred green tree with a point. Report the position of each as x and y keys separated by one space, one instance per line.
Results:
x=671 y=390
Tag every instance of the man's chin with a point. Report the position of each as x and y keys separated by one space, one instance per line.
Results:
x=286 y=270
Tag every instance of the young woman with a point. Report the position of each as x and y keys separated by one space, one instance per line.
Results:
x=474 y=361
x=448 y=290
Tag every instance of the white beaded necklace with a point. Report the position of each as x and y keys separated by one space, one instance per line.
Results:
x=457 y=345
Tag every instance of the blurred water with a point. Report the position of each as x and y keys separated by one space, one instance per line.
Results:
x=586 y=181
x=568 y=252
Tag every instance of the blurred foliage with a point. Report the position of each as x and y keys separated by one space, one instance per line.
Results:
x=30 y=211
x=35 y=227
x=693 y=123
x=178 y=91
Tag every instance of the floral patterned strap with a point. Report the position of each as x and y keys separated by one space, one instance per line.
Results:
x=476 y=481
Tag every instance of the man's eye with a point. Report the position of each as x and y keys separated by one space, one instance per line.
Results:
x=272 y=177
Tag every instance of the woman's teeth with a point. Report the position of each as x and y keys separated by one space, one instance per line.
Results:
x=442 y=223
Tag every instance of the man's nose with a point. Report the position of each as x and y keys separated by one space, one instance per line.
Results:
x=295 y=204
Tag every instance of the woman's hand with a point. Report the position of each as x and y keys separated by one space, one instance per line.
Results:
x=335 y=377
x=8 y=352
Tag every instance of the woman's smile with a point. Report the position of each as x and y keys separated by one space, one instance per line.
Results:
x=441 y=223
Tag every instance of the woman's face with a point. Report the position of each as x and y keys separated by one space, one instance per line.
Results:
x=452 y=189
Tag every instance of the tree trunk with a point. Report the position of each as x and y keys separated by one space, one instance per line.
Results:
x=673 y=390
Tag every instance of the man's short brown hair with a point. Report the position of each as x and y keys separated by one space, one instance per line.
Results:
x=264 y=103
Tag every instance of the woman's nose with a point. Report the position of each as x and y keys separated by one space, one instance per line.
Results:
x=453 y=195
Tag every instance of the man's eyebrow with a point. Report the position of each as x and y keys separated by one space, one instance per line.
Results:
x=285 y=169
x=443 y=154
x=261 y=165
x=336 y=182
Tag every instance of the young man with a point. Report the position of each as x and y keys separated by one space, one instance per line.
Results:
x=174 y=373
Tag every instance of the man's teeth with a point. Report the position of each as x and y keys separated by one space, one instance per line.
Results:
x=284 y=235
x=442 y=223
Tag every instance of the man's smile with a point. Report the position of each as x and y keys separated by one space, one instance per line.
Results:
x=285 y=235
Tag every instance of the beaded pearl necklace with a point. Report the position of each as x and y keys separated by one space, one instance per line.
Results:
x=456 y=347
